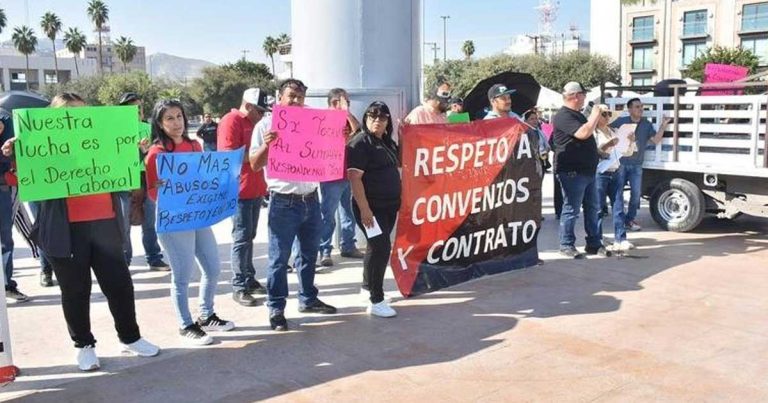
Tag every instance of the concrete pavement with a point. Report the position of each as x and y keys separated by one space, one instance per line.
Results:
x=682 y=318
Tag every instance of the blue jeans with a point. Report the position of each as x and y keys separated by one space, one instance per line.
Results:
x=45 y=265
x=332 y=195
x=632 y=173
x=182 y=247
x=608 y=185
x=209 y=146
x=148 y=233
x=579 y=190
x=291 y=217
x=244 y=224
x=6 y=235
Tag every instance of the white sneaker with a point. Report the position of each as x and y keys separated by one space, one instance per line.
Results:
x=623 y=246
x=382 y=310
x=141 y=348
x=86 y=359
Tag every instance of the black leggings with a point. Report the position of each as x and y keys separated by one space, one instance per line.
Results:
x=96 y=245
x=377 y=252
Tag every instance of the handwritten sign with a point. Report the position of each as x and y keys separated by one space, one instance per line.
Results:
x=723 y=73
x=199 y=190
x=63 y=152
x=310 y=144
x=458 y=117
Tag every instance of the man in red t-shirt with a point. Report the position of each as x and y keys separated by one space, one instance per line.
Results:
x=235 y=130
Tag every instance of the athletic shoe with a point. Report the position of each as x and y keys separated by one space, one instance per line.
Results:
x=16 y=295
x=141 y=348
x=87 y=359
x=159 y=266
x=215 y=324
x=382 y=310
x=195 y=336
x=633 y=226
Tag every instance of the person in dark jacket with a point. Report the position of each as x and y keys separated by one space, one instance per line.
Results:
x=207 y=132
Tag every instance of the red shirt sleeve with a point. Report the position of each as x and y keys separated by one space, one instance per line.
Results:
x=151 y=172
x=228 y=133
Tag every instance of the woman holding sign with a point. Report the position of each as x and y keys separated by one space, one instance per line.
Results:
x=80 y=234
x=372 y=168
x=169 y=129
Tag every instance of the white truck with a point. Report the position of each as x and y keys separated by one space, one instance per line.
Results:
x=712 y=159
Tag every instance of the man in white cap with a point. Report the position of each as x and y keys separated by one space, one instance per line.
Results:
x=235 y=131
x=576 y=161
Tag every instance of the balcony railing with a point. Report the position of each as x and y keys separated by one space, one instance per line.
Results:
x=755 y=23
x=695 y=29
x=643 y=34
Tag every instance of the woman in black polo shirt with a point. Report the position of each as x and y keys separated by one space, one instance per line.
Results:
x=372 y=168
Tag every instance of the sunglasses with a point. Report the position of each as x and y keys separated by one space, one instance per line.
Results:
x=606 y=114
x=443 y=94
x=378 y=116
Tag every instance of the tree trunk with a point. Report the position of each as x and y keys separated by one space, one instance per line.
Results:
x=274 y=73
x=101 y=68
x=55 y=61
x=76 y=69
x=26 y=76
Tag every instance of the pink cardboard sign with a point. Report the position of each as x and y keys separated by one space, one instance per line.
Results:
x=723 y=73
x=547 y=129
x=310 y=144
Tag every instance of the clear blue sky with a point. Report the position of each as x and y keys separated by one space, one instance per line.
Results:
x=217 y=30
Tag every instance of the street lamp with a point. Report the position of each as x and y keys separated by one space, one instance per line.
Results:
x=445 y=48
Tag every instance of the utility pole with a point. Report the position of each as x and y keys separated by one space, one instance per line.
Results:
x=435 y=48
x=535 y=43
x=445 y=46
x=244 y=53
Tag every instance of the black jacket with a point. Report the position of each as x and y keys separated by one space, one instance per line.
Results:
x=51 y=228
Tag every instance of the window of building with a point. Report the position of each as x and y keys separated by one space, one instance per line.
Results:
x=643 y=80
x=642 y=58
x=691 y=50
x=642 y=28
x=754 y=17
x=758 y=45
x=18 y=77
x=695 y=23
x=50 y=78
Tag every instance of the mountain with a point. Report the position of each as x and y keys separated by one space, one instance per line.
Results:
x=162 y=65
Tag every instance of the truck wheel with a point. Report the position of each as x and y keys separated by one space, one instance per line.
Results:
x=677 y=205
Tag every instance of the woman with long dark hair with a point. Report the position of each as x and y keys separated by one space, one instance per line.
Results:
x=372 y=168
x=80 y=234
x=169 y=134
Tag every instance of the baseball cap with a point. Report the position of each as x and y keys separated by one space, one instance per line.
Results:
x=498 y=90
x=128 y=97
x=456 y=100
x=256 y=97
x=573 y=87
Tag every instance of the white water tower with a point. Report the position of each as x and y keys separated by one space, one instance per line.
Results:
x=371 y=48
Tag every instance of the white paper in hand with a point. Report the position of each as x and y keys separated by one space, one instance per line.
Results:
x=373 y=231
x=623 y=133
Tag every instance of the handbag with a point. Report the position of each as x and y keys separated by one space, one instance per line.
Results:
x=137 y=207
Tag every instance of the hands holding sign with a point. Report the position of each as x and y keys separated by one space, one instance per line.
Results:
x=306 y=145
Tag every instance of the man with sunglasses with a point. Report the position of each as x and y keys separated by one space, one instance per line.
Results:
x=631 y=169
x=294 y=211
x=433 y=109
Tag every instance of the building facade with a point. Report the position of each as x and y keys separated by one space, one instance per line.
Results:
x=110 y=62
x=548 y=45
x=658 y=39
x=42 y=70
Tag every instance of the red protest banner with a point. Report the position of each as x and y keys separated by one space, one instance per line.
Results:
x=310 y=144
x=471 y=203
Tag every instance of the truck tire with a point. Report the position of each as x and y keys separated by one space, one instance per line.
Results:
x=677 y=205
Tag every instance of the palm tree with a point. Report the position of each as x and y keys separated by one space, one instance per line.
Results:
x=270 y=47
x=125 y=50
x=99 y=15
x=283 y=39
x=75 y=41
x=468 y=48
x=2 y=20
x=25 y=42
x=51 y=25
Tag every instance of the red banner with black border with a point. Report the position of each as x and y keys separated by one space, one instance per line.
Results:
x=471 y=203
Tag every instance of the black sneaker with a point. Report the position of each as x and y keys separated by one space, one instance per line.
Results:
x=192 y=334
x=215 y=324
x=601 y=251
x=244 y=299
x=326 y=261
x=46 y=279
x=571 y=252
x=159 y=266
x=16 y=295
x=277 y=322
x=318 y=307
x=353 y=253
x=257 y=288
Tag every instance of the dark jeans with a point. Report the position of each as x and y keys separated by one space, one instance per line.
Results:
x=558 y=195
x=96 y=245
x=291 y=217
x=608 y=185
x=45 y=265
x=6 y=235
x=148 y=233
x=579 y=190
x=244 y=224
x=377 y=252
x=334 y=195
x=632 y=173
x=209 y=146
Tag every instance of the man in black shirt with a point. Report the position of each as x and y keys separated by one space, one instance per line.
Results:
x=576 y=165
x=207 y=132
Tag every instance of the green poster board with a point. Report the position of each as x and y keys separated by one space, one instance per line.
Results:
x=64 y=152
x=458 y=118
x=145 y=132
